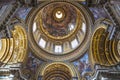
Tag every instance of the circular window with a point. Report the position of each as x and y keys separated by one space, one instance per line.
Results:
x=59 y=29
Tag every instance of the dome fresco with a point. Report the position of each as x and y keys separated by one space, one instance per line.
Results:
x=59 y=19
x=59 y=40
x=59 y=29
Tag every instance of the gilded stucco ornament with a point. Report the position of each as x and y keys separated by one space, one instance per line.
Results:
x=118 y=47
x=104 y=48
x=59 y=31
x=50 y=71
x=14 y=50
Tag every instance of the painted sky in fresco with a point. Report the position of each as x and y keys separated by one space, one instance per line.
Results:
x=83 y=65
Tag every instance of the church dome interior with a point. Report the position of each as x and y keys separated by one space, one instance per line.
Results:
x=59 y=40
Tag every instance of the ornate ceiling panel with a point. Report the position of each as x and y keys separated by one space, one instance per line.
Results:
x=58 y=31
x=59 y=39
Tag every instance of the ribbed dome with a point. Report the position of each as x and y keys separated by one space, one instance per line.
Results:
x=58 y=20
x=60 y=29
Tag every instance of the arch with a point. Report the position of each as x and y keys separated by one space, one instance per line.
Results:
x=71 y=69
